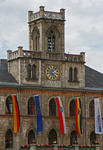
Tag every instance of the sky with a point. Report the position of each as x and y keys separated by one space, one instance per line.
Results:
x=83 y=26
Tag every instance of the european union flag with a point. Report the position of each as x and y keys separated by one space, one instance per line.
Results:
x=38 y=115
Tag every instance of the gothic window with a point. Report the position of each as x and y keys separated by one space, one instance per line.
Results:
x=31 y=136
x=92 y=138
x=52 y=136
x=52 y=108
x=9 y=105
x=33 y=72
x=9 y=139
x=37 y=41
x=70 y=74
x=31 y=106
x=51 y=42
x=91 y=109
x=75 y=74
x=72 y=108
x=73 y=137
x=29 y=71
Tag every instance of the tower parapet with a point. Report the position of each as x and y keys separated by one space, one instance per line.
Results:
x=42 y=14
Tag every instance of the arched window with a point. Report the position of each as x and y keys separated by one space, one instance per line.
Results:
x=37 y=41
x=52 y=136
x=52 y=108
x=91 y=109
x=51 y=42
x=72 y=108
x=33 y=72
x=75 y=74
x=31 y=106
x=31 y=136
x=29 y=71
x=9 y=105
x=92 y=138
x=73 y=137
x=9 y=139
x=70 y=74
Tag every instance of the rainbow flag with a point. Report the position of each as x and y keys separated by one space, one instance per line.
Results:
x=78 y=116
x=16 y=121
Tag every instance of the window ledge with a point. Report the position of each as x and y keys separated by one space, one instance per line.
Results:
x=73 y=81
x=31 y=79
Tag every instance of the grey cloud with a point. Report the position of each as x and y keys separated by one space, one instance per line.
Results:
x=84 y=25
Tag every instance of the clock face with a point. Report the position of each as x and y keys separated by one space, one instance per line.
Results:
x=52 y=73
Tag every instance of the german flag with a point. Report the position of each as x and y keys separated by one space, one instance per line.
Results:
x=78 y=116
x=16 y=121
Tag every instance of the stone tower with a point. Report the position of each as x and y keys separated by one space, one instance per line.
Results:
x=46 y=30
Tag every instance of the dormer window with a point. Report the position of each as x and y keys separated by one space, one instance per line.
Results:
x=51 y=42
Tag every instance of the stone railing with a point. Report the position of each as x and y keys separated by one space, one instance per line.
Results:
x=75 y=146
x=75 y=58
x=45 y=55
x=46 y=14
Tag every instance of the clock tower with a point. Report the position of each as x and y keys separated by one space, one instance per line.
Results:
x=46 y=64
x=46 y=31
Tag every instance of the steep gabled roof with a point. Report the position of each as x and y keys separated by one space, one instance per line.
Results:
x=93 y=78
x=5 y=76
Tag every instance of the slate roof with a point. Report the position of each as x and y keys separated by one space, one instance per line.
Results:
x=5 y=76
x=93 y=78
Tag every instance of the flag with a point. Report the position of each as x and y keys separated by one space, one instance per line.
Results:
x=98 y=119
x=16 y=121
x=38 y=115
x=78 y=116
x=62 y=124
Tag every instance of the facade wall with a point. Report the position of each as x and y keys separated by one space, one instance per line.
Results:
x=28 y=122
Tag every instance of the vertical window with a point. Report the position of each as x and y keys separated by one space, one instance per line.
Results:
x=31 y=136
x=91 y=109
x=75 y=74
x=70 y=74
x=9 y=139
x=52 y=108
x=9 y=105
x=31 y=107
x=73 y=137
x=51 y=42
x=37 y=41
x=29 y=71
x=33 y=72
x=72 y=108
x=92 y=138
x=52 y=136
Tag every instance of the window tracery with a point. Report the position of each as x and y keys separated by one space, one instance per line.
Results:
x=52 y=108
x=9 y=139
x=52 y=136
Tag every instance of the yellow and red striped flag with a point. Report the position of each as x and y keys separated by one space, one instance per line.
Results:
x=16 y=121
x=78 y=116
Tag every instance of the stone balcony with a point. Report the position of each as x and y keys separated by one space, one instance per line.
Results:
x=20 y=53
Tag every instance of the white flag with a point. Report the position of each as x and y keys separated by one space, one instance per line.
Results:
x=98 y=119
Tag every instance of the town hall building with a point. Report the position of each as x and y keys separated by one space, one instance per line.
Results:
x=48 y=71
